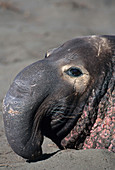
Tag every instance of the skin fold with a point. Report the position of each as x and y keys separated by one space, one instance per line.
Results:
x=68 y=97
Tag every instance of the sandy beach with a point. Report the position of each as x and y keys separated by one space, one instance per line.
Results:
x=27 y=30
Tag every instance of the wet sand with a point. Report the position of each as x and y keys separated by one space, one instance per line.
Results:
x=27 y=30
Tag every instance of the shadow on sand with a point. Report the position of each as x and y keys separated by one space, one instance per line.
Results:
x=43 y=157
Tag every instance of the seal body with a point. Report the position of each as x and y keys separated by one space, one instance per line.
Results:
x=68 y=97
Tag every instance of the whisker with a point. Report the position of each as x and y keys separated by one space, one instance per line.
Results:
x=58 y=111
x=68 y=117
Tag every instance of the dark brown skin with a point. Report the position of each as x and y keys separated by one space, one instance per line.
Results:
x=68 y=97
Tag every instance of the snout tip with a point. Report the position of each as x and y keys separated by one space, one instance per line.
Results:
x=35 y=157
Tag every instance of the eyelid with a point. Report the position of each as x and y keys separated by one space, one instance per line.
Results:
x=78 y=72
x=74 y=68
x=79 y=66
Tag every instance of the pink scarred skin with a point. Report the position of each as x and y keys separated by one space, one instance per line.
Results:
x=102 y=132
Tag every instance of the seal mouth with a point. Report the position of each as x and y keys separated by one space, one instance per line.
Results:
x=58 y=118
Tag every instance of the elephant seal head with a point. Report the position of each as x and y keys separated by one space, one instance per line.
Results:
x=48 y=97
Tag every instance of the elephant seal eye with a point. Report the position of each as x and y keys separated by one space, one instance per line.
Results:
x=74 y=72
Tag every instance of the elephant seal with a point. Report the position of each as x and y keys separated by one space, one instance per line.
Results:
x=67 y=97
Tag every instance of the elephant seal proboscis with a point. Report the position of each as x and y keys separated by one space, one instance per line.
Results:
x=68 y=97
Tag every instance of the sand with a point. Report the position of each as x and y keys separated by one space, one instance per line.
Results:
x=28 y=28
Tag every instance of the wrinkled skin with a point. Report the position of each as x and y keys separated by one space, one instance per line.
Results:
x=67 y=96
